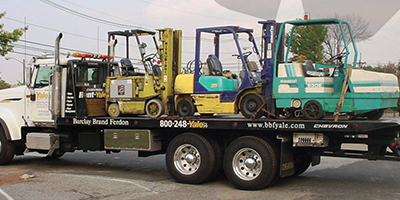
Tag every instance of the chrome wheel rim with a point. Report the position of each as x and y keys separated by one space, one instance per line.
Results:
x=1 y=146
x=247 y=164
x=187 y=159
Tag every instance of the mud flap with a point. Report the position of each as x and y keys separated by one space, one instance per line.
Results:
x=287 y=160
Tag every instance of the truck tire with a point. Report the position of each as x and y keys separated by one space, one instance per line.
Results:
x=250 y=163
x=218 y=157
x=250 y=104
x=190 y=158
x=7 y=149
x=185 y=108
x=154 y=108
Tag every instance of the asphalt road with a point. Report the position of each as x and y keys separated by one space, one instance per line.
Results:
x=96 y=175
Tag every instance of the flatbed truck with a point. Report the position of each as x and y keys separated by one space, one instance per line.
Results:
x=253 y=153
x=198 y=148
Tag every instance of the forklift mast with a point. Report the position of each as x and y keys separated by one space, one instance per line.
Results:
x=170 y=56
x=269 y=37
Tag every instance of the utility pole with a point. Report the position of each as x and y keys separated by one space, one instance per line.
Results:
x=24 y=60
x=25 y=36
x=98 y=39
x=23 y=69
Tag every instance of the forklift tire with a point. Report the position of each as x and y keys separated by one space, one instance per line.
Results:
x=313 y=110
x=185 y=108
x=375 y=115
x=190 y=158
x=154 y=108
x=250 y=104
x=113 y=110
x=7 y=149
x=250 y=163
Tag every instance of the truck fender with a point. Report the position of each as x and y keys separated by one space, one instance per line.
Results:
x=11 y=123
x=5 y=128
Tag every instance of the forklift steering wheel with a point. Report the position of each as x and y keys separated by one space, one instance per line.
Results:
x=337 y=57
x=150 y=56
x=245 y=55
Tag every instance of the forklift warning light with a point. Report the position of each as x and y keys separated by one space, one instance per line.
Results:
x=89 y=55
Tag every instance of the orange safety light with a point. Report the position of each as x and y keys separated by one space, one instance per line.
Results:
x=89 y=55
x=306 y=16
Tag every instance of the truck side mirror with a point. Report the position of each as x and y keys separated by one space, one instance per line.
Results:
x=32 y=95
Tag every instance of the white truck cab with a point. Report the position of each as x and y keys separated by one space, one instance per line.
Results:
x=27 y=105
x=56 y=87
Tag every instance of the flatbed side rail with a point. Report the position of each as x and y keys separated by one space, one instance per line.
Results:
x=348 y=127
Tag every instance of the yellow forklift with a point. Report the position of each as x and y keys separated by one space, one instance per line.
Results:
x=130 y=92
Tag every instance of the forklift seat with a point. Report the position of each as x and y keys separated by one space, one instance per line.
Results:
x=214 y=65
x=310 y=71
x=128 y=69
x=252 y=65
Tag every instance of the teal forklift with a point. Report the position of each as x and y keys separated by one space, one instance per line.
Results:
x=316 y=90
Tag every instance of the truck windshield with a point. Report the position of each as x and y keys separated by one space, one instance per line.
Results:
x=42 y=76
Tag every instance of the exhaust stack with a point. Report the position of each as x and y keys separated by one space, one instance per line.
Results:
x=56 y=81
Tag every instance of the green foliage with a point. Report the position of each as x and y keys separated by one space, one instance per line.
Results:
x=374 y=69
x=6 y=38
x=4 y=85
x=308 y=41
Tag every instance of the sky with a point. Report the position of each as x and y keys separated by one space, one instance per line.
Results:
x=45 y=22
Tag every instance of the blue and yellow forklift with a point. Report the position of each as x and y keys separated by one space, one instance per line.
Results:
x=213 y=89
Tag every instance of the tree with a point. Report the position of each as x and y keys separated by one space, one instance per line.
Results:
x=4 y=85
x=6 y=38
x=333 y=44
x=307 y=43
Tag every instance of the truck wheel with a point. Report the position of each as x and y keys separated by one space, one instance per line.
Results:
x=154 y=108
x=113 y=110
x=375 y=115
x=7 y=149
x=185 y=108
x=313 y=110
x=190 y=158
x=250 y=163
x=250 y=104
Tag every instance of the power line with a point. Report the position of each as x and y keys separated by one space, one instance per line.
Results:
x=103 y=13
x=98 y=20
x=52 y=46
x=88 y=17
x=52 y=29
x=91 y=38
x=21 y=53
